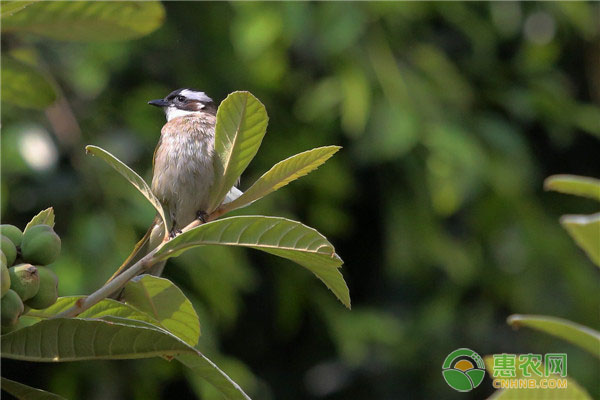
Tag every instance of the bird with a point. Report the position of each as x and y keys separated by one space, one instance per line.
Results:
x=182 y=169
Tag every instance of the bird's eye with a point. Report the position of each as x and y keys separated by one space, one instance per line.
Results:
x=180 y=98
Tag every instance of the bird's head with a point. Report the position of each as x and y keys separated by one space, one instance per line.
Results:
x=182 y=102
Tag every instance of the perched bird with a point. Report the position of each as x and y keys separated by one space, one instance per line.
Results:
x=182 y=168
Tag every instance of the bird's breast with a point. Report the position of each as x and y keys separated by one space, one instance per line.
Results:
x=183 y=167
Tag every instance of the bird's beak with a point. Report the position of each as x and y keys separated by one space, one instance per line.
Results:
x=158 y=103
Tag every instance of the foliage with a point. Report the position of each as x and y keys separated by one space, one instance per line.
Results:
x=450 y=115
x=157 y=319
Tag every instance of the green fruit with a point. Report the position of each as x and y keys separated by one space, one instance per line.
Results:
x=25 y=280
x=48 y=292
x=9 y=249
x=40 y=245
x=4 y=276
x=11 y=308
x=12 y=232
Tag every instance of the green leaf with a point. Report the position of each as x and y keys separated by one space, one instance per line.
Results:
x=166 y=303
x=278 y=236
x=86 y=21
x=45 y=217
x=9 y=8
x=572 y=392
x=131 y=176
x=573 y=184
x=25 y=86
x=74 y=339
x=101 y=309
x=582 y=336
x=211 y=373
x=21 y=391
x=283 y=173
x=585 y=230
x=241 y=125
x=175 y=312
x=201 y=365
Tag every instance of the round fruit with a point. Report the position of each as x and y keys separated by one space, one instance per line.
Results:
x=12 y=232
x=11 y=307
x=25 y=280
x=48 y=292
x=9 y=249
x=4 y=276
x=40 y=245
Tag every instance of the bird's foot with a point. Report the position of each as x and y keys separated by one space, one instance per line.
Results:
x=202 y=216
x=174 y=232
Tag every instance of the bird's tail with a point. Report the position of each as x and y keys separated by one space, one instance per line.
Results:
x=151 y=239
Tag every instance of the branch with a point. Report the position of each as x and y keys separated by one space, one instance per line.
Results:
x=121 y=280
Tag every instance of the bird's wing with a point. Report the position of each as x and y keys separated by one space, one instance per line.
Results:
x=155 y=150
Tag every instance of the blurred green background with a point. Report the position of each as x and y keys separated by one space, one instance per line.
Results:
x=450 y=114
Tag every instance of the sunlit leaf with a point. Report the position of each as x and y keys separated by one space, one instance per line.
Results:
x=45 y=217
x=278 y=236
x=25 y=86
x=283 y=173
x=241 y=125
x=166 y=303
x=582 y=336
x=109 y=307
x=585 y=230
x=131 y=176
x=572 y=392
x=74 y=339
x=21 y=391
x=101 y=309
x=573 y=184
x=86 y=21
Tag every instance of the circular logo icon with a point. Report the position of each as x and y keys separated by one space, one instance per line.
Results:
x=463 y=370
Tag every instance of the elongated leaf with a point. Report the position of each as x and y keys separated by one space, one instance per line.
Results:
x=283 y=173
x=582 y=336
x=86 y=21
x=21 y=391
x=241 y=125
x=573 y=184
x=101 y=309
x=166 y=303
x=131 y=176
x=45 y=217
x=211 y=373
x=278 y=236
x=177 y=314
x=585 y=230
x=25 y=86
x=572 y=392
x=74 y=339
x=202 y=366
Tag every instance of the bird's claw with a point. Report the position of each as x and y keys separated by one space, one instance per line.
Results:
x=174 y=232
x=202 y=216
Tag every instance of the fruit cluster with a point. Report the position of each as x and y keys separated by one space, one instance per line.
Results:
x=26 y=281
